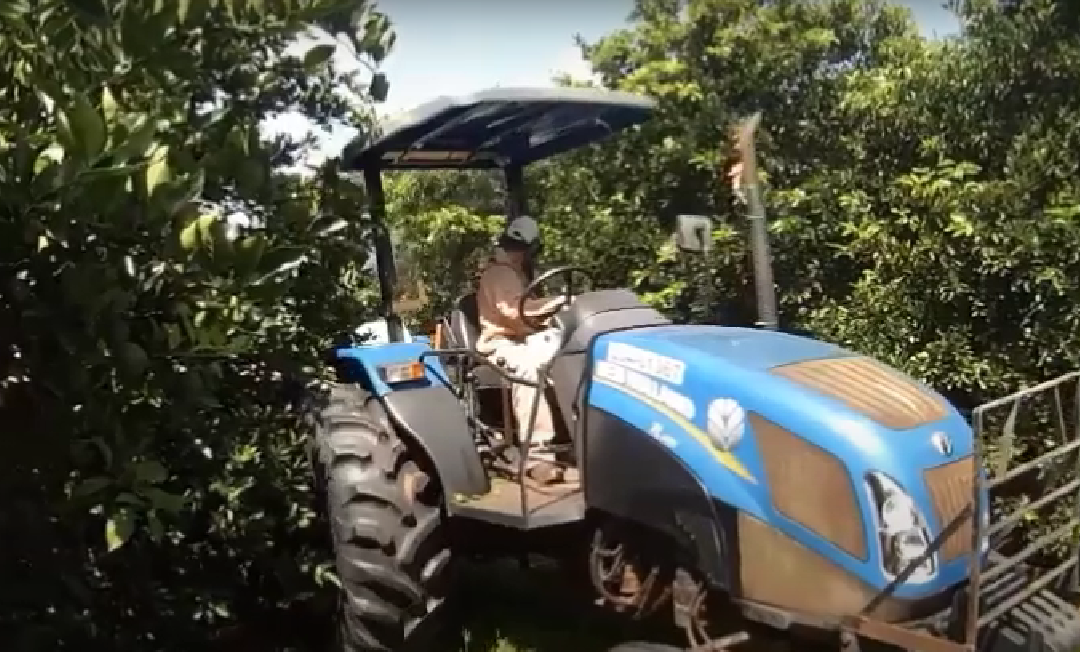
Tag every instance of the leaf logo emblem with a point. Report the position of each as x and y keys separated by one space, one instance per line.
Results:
x=727 y=422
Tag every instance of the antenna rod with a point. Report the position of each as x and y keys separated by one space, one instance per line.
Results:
x=764 y=285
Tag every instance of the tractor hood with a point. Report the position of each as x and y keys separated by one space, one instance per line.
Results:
x=746 y=348
x=793 y=432
x=868 y=416
x=823 y=390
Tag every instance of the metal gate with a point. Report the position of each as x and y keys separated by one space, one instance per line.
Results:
x=1024 y=556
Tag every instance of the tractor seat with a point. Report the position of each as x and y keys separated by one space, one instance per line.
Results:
x=463 y=326
x=465 y=331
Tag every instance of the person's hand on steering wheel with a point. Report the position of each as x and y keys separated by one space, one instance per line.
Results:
x=536 y=318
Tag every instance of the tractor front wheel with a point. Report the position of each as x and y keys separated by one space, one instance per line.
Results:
x=385 y=510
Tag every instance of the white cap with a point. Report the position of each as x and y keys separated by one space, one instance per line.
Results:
x=524 y=229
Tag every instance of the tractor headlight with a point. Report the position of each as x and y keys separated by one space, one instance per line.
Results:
x=902 y=531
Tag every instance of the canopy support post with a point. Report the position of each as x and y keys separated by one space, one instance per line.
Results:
x=384 y=251
x=516 y=202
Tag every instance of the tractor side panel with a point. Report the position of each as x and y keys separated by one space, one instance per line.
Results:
x=425 y=410
x=668 y=413
x=633 y=476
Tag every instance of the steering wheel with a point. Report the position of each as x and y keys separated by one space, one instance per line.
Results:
x=537 y=323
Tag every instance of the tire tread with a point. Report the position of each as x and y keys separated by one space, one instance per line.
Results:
x=389 y=547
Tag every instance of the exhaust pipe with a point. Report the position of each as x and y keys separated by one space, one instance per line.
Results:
x=764 y=285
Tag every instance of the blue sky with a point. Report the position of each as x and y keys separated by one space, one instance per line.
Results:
x=451 y=47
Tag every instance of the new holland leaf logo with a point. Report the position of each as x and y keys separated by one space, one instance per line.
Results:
x=727 y=422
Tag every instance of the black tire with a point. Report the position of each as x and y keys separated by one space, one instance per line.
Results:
x=638 y=646
x=384 y=506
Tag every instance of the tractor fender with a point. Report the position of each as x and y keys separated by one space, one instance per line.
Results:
x=632 y=476
x=433 y=418
x=429 y=414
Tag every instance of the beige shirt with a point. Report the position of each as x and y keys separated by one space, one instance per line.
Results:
x=497 y=296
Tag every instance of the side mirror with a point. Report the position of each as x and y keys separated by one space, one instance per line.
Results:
x=693 y=233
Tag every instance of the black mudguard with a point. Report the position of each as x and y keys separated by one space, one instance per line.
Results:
x=433 y=417
x=630 y=475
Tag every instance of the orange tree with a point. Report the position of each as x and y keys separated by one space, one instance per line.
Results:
x=154 y=484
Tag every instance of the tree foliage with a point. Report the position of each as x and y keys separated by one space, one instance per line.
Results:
x=161 y=279
x=922 y=193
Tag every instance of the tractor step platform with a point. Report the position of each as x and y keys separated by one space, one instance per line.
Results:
x=545 y=506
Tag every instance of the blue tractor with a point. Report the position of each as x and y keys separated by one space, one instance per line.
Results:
x=719 y=470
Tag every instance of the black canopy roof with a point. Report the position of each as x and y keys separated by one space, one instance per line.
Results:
x=500 y=127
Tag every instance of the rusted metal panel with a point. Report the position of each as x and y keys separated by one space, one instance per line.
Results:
x=951 y=486
x=811 y=487
x=776 y=570
x=870 y=388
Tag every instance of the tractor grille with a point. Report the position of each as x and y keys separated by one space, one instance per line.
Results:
x=776 y=570
x=870 y=388
x=810 y=486
x=951 y=486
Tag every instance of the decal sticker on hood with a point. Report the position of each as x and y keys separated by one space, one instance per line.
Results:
x=652 y=364
x=642 y=384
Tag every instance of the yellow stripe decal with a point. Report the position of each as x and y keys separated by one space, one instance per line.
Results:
x=725 y=458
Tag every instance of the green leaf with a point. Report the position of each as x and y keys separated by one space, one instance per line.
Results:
x=173 y=336
x=379 y=88
x=119 y=528
x=15 y=9
x=109 y=107
x=156 y=528
x=139 y=140
x=52 y=154
x=184 y=191
x=164 y=501
x=103 y=450
x=128 y=498
x=214 y=238
x=90 y=486
x=65 y=135
x=182 y=9
x=157 y=172
x=249 y=251
x=189 y=235
x=87 y=127
x=133 y=358
x=150 y=472
x=318 y=55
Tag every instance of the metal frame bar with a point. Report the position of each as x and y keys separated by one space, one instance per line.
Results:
x=516 y=199
x=1071 y=444
x=473 y=355
x=384 y=251
x=524 y=445
x=982 y=570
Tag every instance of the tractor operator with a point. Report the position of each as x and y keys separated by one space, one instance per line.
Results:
x=509 y=342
